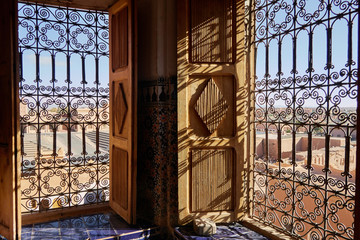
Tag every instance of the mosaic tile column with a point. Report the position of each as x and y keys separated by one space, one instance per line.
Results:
x=157 y=153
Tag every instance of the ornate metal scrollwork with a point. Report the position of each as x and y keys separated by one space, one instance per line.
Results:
x=64 y=102
x=305 y=91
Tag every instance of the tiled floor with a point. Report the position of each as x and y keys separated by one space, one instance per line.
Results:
x=111 y=226
x=231 y=231
x=98 y=226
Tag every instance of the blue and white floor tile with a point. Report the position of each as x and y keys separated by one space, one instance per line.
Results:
x=98 y=226
x=230 y=231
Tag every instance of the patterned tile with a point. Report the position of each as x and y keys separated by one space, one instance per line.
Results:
x=50 y=237
x=231 y=231
x=96 y=226
x=101 y=233
x=74 y=238
x=97 y=221
x=26 y=229
x=40 y=232
x=72 y=223
x=25 y=236
x=74 y=232
x=53 y=224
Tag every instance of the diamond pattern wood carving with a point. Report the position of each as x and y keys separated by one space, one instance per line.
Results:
x=211 y=106
x=120 y=101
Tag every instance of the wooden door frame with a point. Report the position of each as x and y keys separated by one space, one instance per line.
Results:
x=10 y=223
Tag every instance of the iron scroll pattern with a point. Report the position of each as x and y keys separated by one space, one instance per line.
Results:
x=304 y=98
x=64 y=107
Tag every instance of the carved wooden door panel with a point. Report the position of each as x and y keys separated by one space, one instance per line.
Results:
x=211 y=105
x=10 y=213
x=122 y=110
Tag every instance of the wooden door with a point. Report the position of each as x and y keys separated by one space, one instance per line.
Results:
x=123 y=85
x=212 y=102
x=10 y=213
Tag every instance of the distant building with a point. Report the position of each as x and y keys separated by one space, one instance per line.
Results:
x=336 y=151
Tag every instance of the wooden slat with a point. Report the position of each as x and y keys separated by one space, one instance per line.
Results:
x=211 y=26
x=211 y=106
x=211 y=111
x=211 y=180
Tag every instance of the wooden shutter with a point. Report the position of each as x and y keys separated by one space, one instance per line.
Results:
x=211 y=105
x=123 y=85
x=10 y=215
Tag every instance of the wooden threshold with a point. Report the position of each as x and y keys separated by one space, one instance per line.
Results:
x=53 y=215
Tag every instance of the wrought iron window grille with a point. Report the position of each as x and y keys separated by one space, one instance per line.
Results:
x=64 y=101
x=305 y=98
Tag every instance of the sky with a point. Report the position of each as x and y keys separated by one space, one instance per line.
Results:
x=339 y=52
